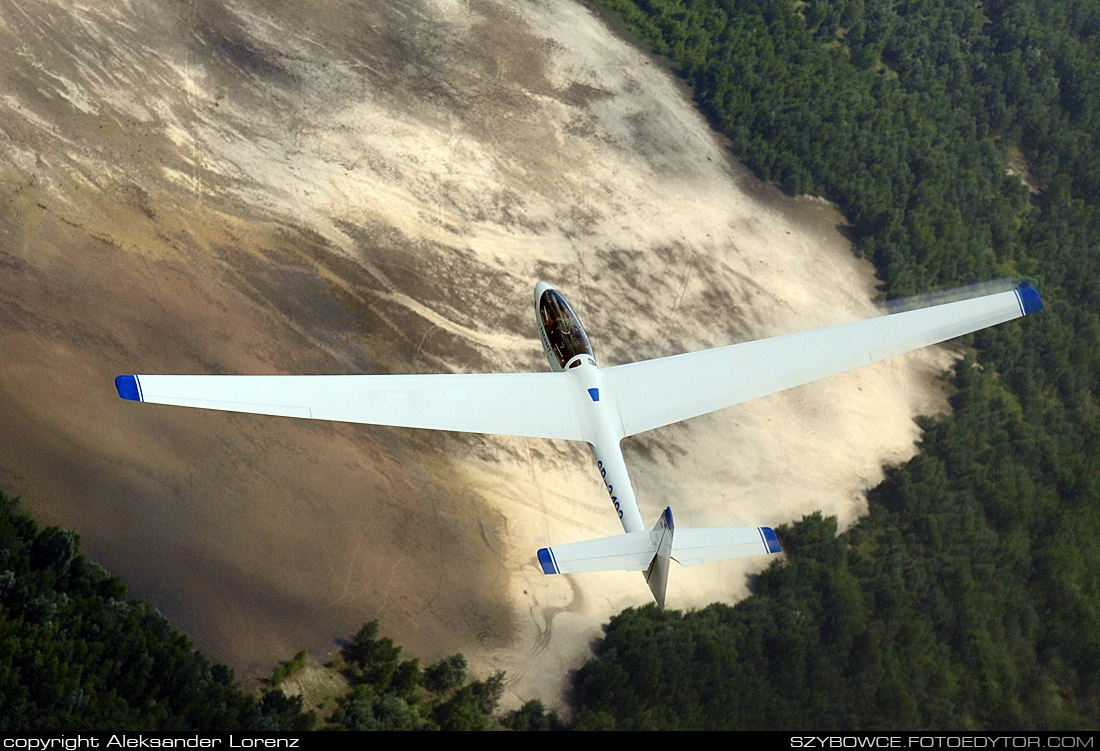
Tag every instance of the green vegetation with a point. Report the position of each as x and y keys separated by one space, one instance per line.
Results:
x=532 y=716
x=388 y=693
x=290 y=668
x=968 y=597
x=75 y=654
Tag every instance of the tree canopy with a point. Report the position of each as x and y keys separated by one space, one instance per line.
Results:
x=961 y=142
x=76 y=654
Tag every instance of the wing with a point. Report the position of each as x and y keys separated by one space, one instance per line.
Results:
x=653 y=393
x=537 y=405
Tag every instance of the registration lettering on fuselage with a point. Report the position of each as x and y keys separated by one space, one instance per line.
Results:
x=610 y=489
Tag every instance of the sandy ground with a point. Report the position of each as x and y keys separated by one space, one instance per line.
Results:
x=338 y=187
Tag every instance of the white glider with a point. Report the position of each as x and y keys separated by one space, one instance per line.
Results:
x=580 y=402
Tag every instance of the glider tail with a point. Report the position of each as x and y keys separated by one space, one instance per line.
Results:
x=650 y=552
x=657 y=573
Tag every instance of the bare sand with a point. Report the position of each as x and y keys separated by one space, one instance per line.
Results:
x=338 y=187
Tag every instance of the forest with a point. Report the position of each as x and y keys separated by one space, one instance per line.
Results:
x=961 y=140
x=76 y=654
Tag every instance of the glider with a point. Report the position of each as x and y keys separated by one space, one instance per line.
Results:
x=579 y=401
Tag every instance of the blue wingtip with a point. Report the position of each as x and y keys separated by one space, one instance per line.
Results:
x=127 y=386
x=547 y=561
x=1030 y=300
x=770 y=540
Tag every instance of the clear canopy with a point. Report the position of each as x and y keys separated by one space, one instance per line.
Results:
x=563 y=330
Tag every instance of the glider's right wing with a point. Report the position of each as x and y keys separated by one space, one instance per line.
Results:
x=536 y=405
x=658 y=392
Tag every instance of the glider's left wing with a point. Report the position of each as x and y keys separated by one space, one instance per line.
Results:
x=536 y=405
x=657 y=392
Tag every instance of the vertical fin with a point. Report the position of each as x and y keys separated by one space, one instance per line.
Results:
x=657 y=573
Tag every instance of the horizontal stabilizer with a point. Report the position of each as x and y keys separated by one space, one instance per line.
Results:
x=695 y=546
x=634 y=551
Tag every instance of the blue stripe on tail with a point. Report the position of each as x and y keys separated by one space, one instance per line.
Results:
x=668 y=517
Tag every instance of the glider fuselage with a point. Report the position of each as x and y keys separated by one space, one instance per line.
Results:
x=568 y=349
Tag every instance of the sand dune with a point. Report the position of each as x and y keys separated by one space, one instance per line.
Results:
x=337 y=187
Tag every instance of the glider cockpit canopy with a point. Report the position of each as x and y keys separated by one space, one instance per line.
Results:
x=563 y=329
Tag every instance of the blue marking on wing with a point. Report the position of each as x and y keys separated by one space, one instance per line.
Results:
x=1030 y=300
x=595 y=394
x=547 y=561
x=771 y=542
x=127 y=386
